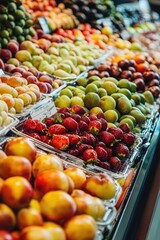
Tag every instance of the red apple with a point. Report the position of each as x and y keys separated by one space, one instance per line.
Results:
x=21 y=146
x=17 y=192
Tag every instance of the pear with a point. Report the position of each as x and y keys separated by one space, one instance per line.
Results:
x=63 y=53
x=62 y=101
x=73 y=59
x=53 y=50
x=42 y=66
x=23 y=55
x=28 y=64
x=46 y=57
x=61 y=74
x=36 y=60
x=65 y=67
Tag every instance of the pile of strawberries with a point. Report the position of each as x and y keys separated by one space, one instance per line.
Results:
x=83 y=135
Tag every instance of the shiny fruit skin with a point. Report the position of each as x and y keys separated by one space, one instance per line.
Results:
x=77 y=175
x=57 y=206
x=7 y=218
x=56 y=230
x=81 y=225
x=35 y=233
x=17 y=192
x=21 y=146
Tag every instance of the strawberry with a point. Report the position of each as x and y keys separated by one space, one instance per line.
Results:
x=104 y=165
x=125 y=127
x=115 y=163
x=81 y=148
x=109 y=151
x=29 y=124
x=58 y=118
x=35 y=135
x=40 y=127
x=70 y=124
x=100 y=144
x=48 y=121
x=104 y=124
x=90 y=156
x=93 y=117
x=90 y=138
x=45 y=139
x=129 y=138
x=83 y=126
x=95 y=127
x=74 y=139
x=107 y=138
x=121 y=150
x=73 y=152
x=117 y=132
x=78 y=109
x=56 y=129
x=60 y=142
x=63 y=110
x=102 y=154
x=85 y=119
x=76 y=117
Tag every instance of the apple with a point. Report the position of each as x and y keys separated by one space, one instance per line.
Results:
x=80 y=227
x=29 y=217
x=4 y=235
x=47 y=162
x=16 y=192
x=56 y=230
x=35 y=233
x=57 y=206
x=100 y=185
x=21 y=146
x=77 y=175
x=15 y=166
x=7 y=218
x=50 y=180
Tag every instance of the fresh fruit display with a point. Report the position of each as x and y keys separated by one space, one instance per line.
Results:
x=15 y=23
x=57 y=16
x=56 y=202
x=16 y=93
x=61 y=59
x=45 y=83
x=139 y=70
x=88 y=11
x=118 y=101
x=87 y=136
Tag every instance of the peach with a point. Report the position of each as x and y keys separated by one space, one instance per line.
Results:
x=21 y=146
x=2 y=66
x=4 y=235
x=9 y=67
x=77 y=175
x=17 y=192
x=21 y=90
x=44 y=44
x=5 y=54
x=15 y=166
x=86 y=205
x=71 y=185
x=2 y=155
x=1 y=184
x=9 y=100
x=47 y=162
x=101 y=207
x=35 y=233
x=80 y=227
x=13 y=47
x=7 y=218
x=18 y=105
x=29 y=217
x=57 y=206
x=32 y=79
x=33 y=96
x=34 y=204
x=56 y=230
x=45 y=78
x=50 y=180
x=26 y=98
x=100 y=185
x=42 y=86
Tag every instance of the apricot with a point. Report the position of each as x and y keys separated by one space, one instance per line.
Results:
x=27 y=99
x=19 y=105
x=9 y=100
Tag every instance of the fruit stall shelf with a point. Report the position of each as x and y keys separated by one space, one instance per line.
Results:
x=5 y=129
x=134 y=200
x=110 y=210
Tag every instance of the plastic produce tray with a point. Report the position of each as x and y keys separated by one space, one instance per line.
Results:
x=5 y=129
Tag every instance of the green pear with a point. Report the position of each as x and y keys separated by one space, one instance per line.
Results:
x=53 y=50
x=63 y=53
x=23 y=55
x=13 y=61
x=73 y=59
x=65 y=67
x=46 y=57
x=62 y=101
x=42 y=66
x=36 y=60
x=61 y=74
x=28 y=64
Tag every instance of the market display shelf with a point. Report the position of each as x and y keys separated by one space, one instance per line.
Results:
x=5 y=129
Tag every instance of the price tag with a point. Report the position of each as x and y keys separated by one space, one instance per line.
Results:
x=44 y=25
x=1 y=72
x=46 y=109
